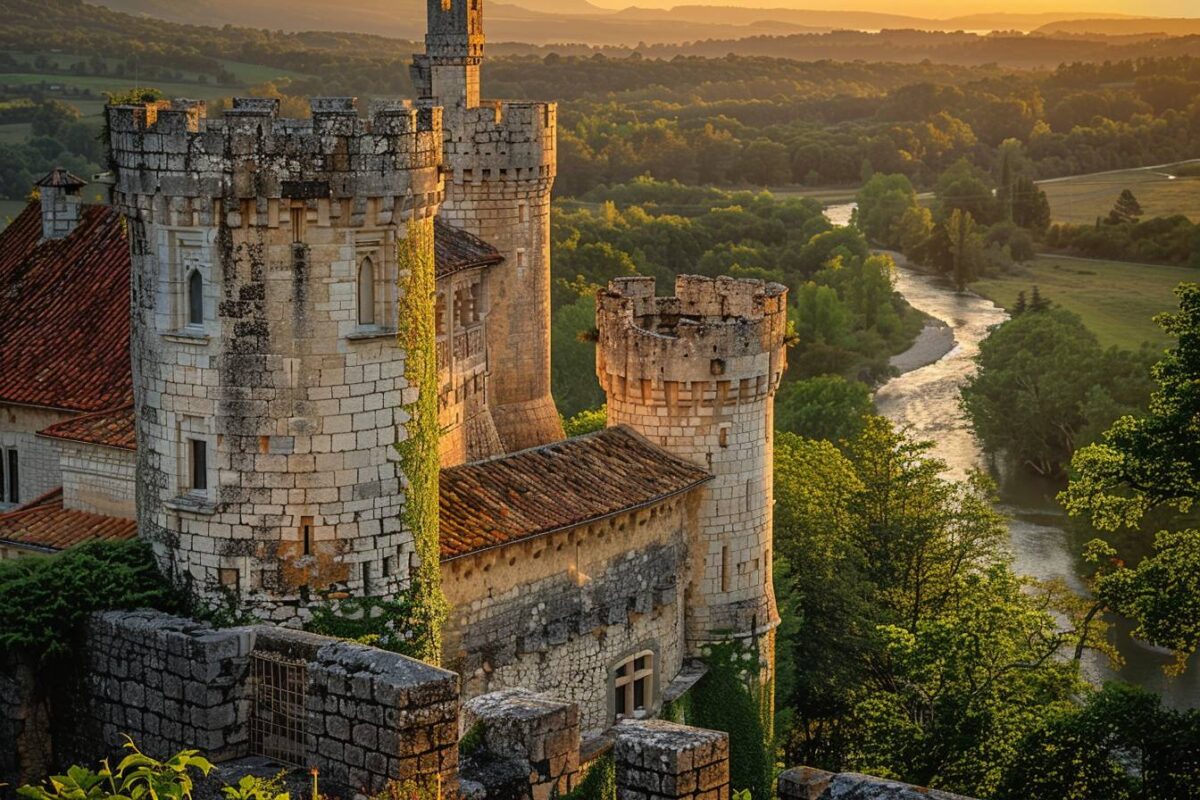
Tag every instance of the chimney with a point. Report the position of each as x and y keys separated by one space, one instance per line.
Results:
x=62 y=205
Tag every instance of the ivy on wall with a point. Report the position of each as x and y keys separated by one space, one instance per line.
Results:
x=732 y=697
x=419 y=457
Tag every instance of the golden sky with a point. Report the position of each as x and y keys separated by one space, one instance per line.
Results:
x=947 y=8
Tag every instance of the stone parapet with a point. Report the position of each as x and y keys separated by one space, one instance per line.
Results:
x=173 y=149
x=815 y=784
x=539 y=733
x=716 y=340
x=659 y=760
x=500 y=141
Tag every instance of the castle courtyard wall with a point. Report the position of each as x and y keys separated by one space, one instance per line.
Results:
x=557 y=613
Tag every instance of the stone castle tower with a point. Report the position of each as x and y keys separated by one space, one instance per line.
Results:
x=500 y=167
x=696 y=374
x=269 y=384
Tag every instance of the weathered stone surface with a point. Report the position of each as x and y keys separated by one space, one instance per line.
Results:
x=812 y=784
x=659 y=760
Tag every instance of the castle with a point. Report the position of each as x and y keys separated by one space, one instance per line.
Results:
x=338 y=324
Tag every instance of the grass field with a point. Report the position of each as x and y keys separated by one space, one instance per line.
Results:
x=1116 y=300
x=1161 y=193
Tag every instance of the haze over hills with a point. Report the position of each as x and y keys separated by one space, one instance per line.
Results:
x=1124 y=27
x=555 y=21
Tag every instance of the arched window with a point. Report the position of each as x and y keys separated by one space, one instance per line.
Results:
x=195 y=298
x=366 y=292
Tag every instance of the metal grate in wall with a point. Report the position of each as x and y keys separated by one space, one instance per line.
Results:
x=278 y=719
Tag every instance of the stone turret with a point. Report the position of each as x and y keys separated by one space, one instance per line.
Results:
x=501 y=161
x=696 y=374
x=270 y=387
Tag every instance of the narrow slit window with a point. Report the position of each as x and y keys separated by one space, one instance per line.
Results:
x=299 y=217
x=3 y=483
x=306 y=535
x=366 y=578
x=366 y=292
x=199 y=465
x=195 y=298
x=725 y=568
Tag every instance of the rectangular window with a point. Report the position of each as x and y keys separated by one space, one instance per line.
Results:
x=523 y=212
x=199 y=465
x=366 y=576
x=14 y=477
x=633 y=686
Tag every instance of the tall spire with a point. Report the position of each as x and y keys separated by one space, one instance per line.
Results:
x=448 y=72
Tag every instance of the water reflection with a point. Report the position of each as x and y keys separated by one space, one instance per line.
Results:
x=1045 y=543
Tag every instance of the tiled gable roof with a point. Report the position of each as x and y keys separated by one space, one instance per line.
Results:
x=558 y=486
x=456 y=250
x=45 y=525
x=64 y=313
x=112 y=428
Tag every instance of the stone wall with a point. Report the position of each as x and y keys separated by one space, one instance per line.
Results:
x=101 y=480
x=813 y=784
x=169 y=683
x=296 y=395
x=696 y=373
x=659 y=760
x=39 y=470
x=558 y=613
x=369 y=716
x=25 y=746
x=526 y=745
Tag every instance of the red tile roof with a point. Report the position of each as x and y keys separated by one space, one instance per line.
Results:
x=45 y=525
x=64 y=313
x=456 y=250
x=112 y=428
x=504 y=500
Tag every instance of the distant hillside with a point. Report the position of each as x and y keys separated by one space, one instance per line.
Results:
x=557 y=21
x=1125 y=27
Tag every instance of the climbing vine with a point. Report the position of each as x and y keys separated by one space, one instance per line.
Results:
x=419 y=461
x=732 y=697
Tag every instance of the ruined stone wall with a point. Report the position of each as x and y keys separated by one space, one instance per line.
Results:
x=169 y=683
x=101 y=480
x=39 y=470
x=370 y=716
x=696 y=374
x=815 y=784
x=297 y=400
x=659 y=760
x=502 y=160
x=558 y=613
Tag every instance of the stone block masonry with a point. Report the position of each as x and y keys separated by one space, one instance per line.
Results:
x=662 y=761
x=814 y=784
x=540 y=733
x=369 y=717
x=270 y=387
x=168 y=683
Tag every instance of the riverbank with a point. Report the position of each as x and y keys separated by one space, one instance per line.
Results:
x=934 y=341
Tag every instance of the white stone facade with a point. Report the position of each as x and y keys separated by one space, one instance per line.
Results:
x=38 y=469
x=98 y=479
x=696 y=374
x=292 y=391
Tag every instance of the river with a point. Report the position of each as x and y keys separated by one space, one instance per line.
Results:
x=1045 y=543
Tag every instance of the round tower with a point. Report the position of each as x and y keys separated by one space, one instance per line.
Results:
x=696 y=374
x=501 y=161
x=270 y=258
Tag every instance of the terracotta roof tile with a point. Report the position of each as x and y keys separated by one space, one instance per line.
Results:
x=456 y=250
x=45 y=525
x=62 y=178
x=558 y=486
x=64 y=313
x=113 y=428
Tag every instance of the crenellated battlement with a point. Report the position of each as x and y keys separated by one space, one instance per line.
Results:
x=174 y=149
x=502 y=141
x=712 y=332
